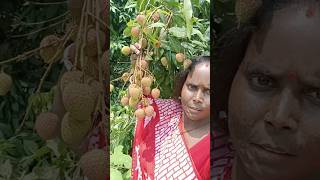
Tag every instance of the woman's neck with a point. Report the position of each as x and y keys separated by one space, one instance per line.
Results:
x=197 y=126
x=194 y=131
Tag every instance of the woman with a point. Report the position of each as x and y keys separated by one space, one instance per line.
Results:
x=273 y=98
x=175 y=143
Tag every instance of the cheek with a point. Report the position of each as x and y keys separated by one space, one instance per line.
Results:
x=207 y=103
x=244 y=109
x=186 y=95
x=310 y=133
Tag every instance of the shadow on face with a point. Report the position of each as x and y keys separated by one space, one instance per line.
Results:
x=195 y=93
x=274 y=102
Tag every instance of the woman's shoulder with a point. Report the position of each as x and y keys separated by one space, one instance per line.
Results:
x=167 y=106
x=167 y=103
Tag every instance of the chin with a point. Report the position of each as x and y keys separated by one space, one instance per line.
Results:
x=272 y=171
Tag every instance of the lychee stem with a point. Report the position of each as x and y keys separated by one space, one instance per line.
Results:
x=25 y=55
x=47 y=3
x=65 y=40
x=39 y=30
x=79 y=39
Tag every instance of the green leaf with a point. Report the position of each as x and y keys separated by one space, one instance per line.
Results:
x=29 y=146
x=156 y=25
x=120 y=159
x=41 y=152
x=115 y=174
x=6 y=130
x=187 y=11
x=53 y=145
x=178 y=32
x=46 y=172
x=196 y=3
x=6 y=169
x=142 y=4
x=30 y=176
x=127 y=175
x=127 y=32
x=148 y=58
x=199 y=43
x=197 y=32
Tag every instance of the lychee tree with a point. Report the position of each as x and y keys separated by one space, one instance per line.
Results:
x=39 y=140
x=164 y=36
x=155 y=42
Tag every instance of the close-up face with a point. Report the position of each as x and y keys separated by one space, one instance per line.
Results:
x=195 y=93
x=274 y=102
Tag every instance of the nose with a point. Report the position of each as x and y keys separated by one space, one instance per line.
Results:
x=198 y=97
x=285 y=112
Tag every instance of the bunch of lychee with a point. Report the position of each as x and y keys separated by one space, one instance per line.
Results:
x=141 y=80
x=79 y=97
x=80 y=93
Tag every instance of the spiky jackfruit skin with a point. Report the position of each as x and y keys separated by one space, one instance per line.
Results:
x=47 y=125
x=94 y=164
x=72 y=131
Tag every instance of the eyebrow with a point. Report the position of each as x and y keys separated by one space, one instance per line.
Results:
x=312 y=79
x=207 y=86
x=258 y=67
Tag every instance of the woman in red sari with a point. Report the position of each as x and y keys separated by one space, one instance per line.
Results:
x=268 y=93
x=175 y=142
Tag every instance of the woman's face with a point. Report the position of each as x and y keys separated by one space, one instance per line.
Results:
x=274 y=103
x=195 y=93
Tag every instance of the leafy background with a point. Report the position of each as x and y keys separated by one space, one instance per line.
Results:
x=123 y=13
x=23 y=154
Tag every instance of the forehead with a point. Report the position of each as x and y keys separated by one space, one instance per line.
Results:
x=201 y=73
x=291 y=41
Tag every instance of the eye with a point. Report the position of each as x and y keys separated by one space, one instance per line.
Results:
x=191 y=87
x=261 y=82
x=313 y=94
x=207 y=92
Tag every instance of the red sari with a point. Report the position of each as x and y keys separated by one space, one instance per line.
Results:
x=222 y=155
x=159 y=149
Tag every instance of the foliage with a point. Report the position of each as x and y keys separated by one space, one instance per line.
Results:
x=223 y=17
x=122 y=123
x=183 y=27
x=23 y=154
x=27 y=157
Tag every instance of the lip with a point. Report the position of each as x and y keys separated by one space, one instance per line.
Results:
x=194 y=110
x=273 y=150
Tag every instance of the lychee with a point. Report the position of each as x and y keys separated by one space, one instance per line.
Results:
x=94 y=164
x=139 y=113
x=180 y=57
x=155 y=93
x=5 y=83
x=149 y=111
x=135 y=31
x=47 y=125
x=126 y=50
x=49 y=46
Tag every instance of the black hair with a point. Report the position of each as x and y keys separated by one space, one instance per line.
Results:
x=182 y=76
x=231 y=48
